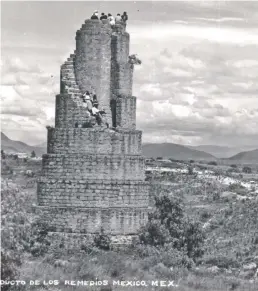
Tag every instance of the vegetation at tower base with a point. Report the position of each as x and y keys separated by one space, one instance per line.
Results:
x=230 y=248
x=169 y=233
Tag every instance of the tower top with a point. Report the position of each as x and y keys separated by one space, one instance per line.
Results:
x=95 y=26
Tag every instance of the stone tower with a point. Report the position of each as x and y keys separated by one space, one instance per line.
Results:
x=94 y=178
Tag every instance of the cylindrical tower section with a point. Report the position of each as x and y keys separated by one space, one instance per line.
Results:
x=121 y=70
x=93 y=61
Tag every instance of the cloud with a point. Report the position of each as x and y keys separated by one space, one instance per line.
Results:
x=197 y=83
x=28 y=95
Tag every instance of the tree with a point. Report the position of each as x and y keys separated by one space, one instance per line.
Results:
x=33 y=154
x=168 y=227
x=190 y=170
x=233 y=166
x=212 y=163
x=2 y=154
x=247 y=170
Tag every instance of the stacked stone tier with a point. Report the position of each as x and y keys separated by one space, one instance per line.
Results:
x=115 y=220
x=92 y=193
x=89 y=166
x=94 y=141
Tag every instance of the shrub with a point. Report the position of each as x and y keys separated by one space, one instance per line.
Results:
x=221 y=261
x=3 y=155
x=233 y=166
x=212 y=163
x=190 y=170
x=247 y=170
x=205 y=215
x=15 y=231
x=102 y=241
x=33 y=154
x=169 y=230
x=39 y=243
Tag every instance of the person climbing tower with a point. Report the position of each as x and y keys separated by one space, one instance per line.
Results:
x=87 y=100
x=99 y=115
x=95 y=101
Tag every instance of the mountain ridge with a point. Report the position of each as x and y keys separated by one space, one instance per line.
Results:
x=9 y=145
x=248 y=156
x=175 y=151
x=222 y=152
x=171 y=150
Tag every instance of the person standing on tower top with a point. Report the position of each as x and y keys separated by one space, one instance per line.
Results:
x=111 y=19
x=103 y=16
x=118 y=18
x=95 y=15
x=124 y=17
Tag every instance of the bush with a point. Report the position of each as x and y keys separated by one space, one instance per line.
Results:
x=33 y=154
x=169 y=231
x=190 y=170
x=212 y=163
x=221 y=261
x=39 y=243
x=102 y=241
x=247 y=170
x=15 y=231
x=233 y=166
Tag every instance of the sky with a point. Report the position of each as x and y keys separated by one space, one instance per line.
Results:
x=197 y=83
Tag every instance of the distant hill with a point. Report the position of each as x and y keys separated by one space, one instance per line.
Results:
x=221 y=151
x=248 y=156
x=174 y=151
x=42 y=145
x=9 y=145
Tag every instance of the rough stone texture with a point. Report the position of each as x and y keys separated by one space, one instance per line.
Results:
x=92 y=193
x=115 y=221
x=94 y=178
x=92 y=141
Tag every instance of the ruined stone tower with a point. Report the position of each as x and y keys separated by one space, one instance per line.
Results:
x=93 y=178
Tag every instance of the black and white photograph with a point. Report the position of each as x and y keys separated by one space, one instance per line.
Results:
x=129 y=145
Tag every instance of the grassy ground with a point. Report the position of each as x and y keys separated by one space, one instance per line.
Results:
x=232 y=240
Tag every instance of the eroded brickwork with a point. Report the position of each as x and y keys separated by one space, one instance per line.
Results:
x=94 y=178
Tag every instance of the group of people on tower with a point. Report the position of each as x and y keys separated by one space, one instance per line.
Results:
x=112 y=20
x=91 y=103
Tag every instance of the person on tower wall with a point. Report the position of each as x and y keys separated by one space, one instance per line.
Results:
x=103 y=16
x=124 y=17
x=95 y=15
x=118 y=18
x=87 y=100
x=111 y=19
x=95 y=101
x=99 y=116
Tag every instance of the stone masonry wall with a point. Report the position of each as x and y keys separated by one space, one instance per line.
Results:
x=81 y=166
x=68 y=112
x=93 y=61
x=92 y=193
x=86 y=140
x=126 y=112
x=90 y=220
x=121 y=70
